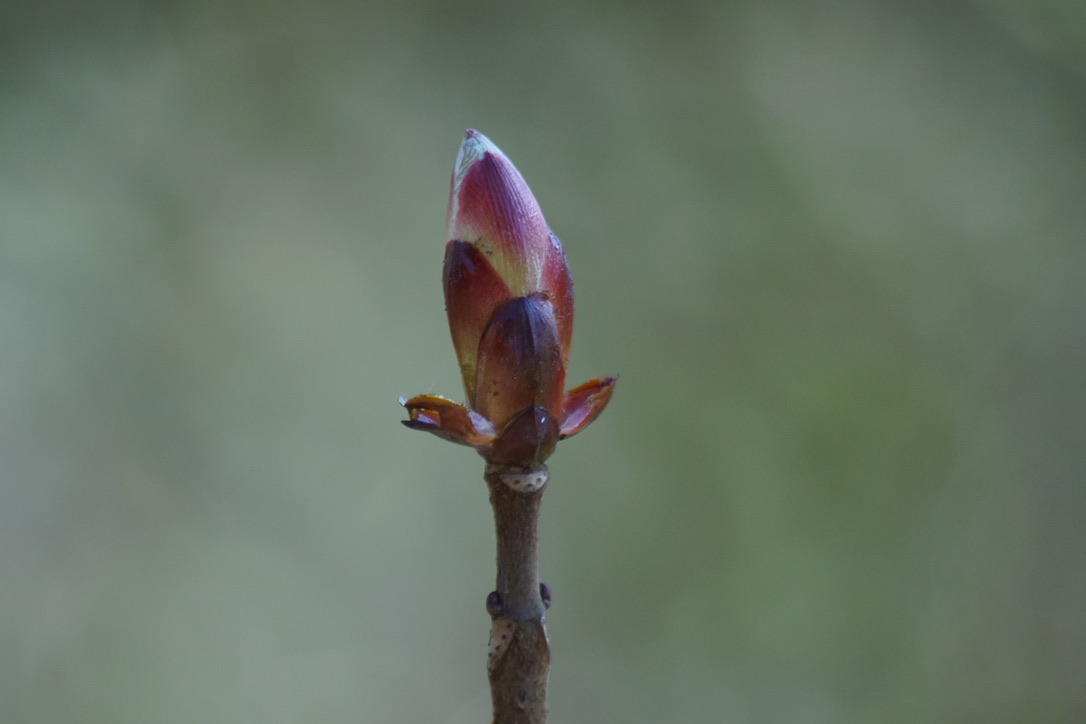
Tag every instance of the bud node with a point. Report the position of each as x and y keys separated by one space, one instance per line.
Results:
x=518 y=479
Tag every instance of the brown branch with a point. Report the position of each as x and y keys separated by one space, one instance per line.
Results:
x=519 y=660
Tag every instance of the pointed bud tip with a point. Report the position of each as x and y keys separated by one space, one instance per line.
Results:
x=474 y=146
x=492 y=207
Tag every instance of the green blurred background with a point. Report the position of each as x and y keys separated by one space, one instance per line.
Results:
x=836 y=252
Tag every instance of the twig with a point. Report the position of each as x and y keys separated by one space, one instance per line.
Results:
x=518 y=664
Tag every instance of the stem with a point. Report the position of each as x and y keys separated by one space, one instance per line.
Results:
x=519 y=660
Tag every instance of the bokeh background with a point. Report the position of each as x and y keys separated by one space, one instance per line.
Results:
x=835 y=251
